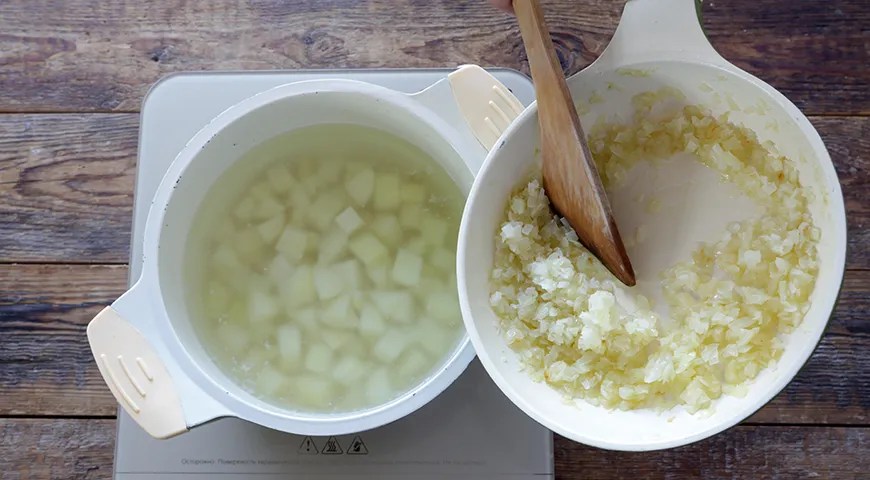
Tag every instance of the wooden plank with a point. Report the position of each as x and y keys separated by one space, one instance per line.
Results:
x=66 y=184
x=742 y=452
x=75 y=449
x=32 y=449
x=80 y=55
x=46 y=368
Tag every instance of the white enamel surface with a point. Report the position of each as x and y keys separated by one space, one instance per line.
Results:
x=686 y=195
x=155 y=305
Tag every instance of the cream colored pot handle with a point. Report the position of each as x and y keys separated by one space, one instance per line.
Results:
x=135 y=375
x=486 y=104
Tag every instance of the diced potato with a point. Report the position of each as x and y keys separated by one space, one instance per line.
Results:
x=356 y=348
x=332 y=247
x=261 y=333
x=412 y=364
x=292 y=243
x=313 y=391
x=387 y=196
x=255 y=359
x=361 y=186
x=348 y=220
x=349 y=370
x=444 y=260
x=349 y=272
x=299 y=289
x=290 y=344
x=378 y=388
x=358 y=299
x=224 y=230
x=270 y=229
x=371 y=322
x=217 y=299
x=225 y=258
x=417 y=245
x=339 y=314
x=249 y=246
x=388 y=348
x=406 y=269
x=299 y=199
x=245 y=209
x=267 y=207
x=397 y=306
x=306 y=319
x=412 y=192
x=368 y=249
x=433 y=230
x=328 y=282
x=411 y=215
x=335 y=339
x=237 y=280
x=328 y=172
x=233 y=338
x=352 y=168
x=379 y=274
x=279 y=270
x=386 y=227
x=261 y=190
x=270 y=380
x=322 y=212
x=262 y=307
x=280 y=179
x=237 y=314
x=444 y=307
x=313 y=243
x=319 y=358
x=433 y=338
x=260 y=282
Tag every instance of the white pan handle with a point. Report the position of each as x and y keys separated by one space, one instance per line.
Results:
x=658 y=30
x=136 y=375
x=487 y=106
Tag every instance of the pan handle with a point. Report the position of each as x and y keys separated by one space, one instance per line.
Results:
x=659 y=30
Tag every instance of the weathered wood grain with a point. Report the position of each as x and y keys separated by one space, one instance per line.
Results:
x=86 y=55
x=36 y=449
x=56 y=449
x=757 y=452
x=66 y=185
x=46 y=368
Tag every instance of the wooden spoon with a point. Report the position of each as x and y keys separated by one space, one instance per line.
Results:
x=571 y=178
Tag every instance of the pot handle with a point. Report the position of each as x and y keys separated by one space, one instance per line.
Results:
x=136 y=375
x=658 y=30
x=487 y=106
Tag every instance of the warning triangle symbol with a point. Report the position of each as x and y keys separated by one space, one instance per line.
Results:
x=357 y=447
x=307 y=447
x=332 y=447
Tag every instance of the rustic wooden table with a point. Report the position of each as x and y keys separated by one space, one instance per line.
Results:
x=72 y=76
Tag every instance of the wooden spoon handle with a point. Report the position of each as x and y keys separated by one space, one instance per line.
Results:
x=570 y=175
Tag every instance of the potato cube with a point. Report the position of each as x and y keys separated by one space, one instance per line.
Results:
x=406 y=269
x=328 y=172
x=250 y=246
x=313 y=391
x=388 y=348
x=328 y=282
x=387 y=195
x=349 y=272
x=396 y=306
x=271 y=229
x=411 y=215
x=339 y=314
x=444 y=260
x=335 y=339
x=379 y=274
x=279 y=270
x=368 y=249
x=348 y=220
x=322 y=212
x=413 y=192
x=290 y=344
x=444 y=307
x=224 y=231
x=292 y=243
x=332 y=247
x=299 y=199
x=371 y=322
x=378 y=388
x=413 y=364
x=267 y=207
x=306 y=319
x=233 y=338
x=299 y=289
x=386 y=227
x=262 y=307
x=349 y=370
x=433 y=230
x=319 y=358
x=280 y=179
x=361 y=186
x=433 y=338
x=417 y=245
x=270 y=380
x=245 y=209
x=226 y=259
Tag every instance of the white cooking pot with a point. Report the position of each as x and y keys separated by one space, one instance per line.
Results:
x=658 y=43
x=144 y=343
